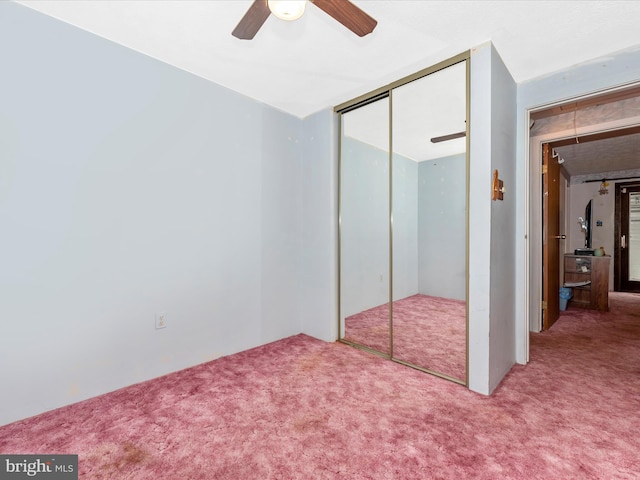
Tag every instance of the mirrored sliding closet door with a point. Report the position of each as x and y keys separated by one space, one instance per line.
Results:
x=417 y=315
x=364 y=226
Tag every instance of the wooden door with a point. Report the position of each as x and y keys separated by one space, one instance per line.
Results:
x=550 y=238
x=629 y=241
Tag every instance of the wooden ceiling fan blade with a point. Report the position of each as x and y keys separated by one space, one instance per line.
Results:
x=252 y=20
x=348 y=15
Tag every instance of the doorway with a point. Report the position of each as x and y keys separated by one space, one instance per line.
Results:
x=567 y=127
x=627 y=259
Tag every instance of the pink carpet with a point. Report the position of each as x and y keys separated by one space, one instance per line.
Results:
x=427 y=331
x=304 y=409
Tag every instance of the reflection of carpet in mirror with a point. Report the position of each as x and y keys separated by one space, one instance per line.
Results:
x=369 y=328
x=427 y=331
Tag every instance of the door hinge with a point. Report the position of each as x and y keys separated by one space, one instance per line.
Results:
x=544 y=304
x=544 y=169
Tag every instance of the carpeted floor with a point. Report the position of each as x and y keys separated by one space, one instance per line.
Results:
x=304 y=409
x=427 y=331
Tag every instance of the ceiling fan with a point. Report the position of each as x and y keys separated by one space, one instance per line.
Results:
x=343 y=11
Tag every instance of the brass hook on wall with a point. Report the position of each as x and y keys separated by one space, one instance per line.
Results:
x=497 y=191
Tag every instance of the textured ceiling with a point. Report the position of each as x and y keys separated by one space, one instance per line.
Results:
x=606 y=152
x=313 y=63
x=615 y=157
x=429 y=107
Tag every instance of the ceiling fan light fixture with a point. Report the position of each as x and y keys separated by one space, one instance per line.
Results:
x=287 y=9
x=603 y=187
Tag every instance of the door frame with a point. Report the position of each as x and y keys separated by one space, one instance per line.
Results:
x=618 y=268
x=362 y=100
x=533 y=202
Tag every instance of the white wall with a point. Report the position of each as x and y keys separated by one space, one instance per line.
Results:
x=364 y=220
x=129 y=188
x=406 y=245
x=503 y=223
x=280 y=217
x=319 y=263
x=442 y=196
x=617 y=69
x=491 y=224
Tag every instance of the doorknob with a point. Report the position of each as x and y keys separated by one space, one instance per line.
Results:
x=623 y=241
x=561 y=237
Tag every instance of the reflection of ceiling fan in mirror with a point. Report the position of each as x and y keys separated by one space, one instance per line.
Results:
x=451 y=136
x=343 y=11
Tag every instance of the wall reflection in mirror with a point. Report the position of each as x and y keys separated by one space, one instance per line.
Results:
x=403 y=224
x=364 y=228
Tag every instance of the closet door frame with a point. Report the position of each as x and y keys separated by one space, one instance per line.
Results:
x=372 y=96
